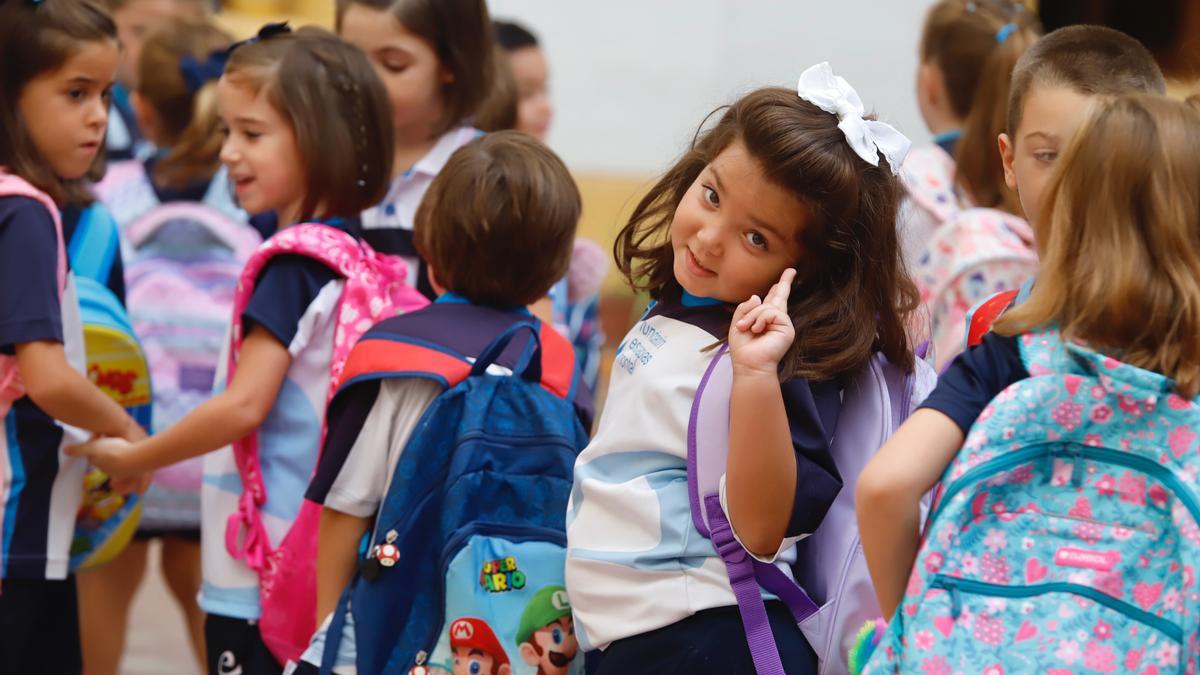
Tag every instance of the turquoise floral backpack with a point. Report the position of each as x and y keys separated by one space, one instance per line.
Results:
x=1066 y=538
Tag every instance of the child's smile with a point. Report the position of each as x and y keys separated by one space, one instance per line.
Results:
x=734 y=232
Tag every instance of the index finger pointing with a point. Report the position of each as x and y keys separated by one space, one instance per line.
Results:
x=782 y=290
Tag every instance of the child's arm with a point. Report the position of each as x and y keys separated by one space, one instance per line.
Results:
x=760 y=475
x=337 y=555
x=226 y=417
x=66 y=395
x=888 y=498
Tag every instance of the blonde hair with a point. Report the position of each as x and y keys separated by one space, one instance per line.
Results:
x=190 y=120
x=1120 y=244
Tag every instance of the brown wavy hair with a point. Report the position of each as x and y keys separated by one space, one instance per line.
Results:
x=960 y=38
x=1119 y=245
x=852 y=294
x=338 y=108
x=189 y=119
x=34 y=39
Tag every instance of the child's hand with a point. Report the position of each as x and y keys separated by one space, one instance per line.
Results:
x=133 y=431
x=762 y=331
x=113 y=456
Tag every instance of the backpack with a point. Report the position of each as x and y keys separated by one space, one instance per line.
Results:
x=12 y=185
x=375 y=289
x=183 y=266
x=469 y=545
x=832 y=595
x=1067 y=534
x=930 y=197
x=975 y=254
x=116 y=364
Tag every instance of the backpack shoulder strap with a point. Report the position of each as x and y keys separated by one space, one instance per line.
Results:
x=390 y=351
x=15 y=186
x=11 y=387
x=94 y=245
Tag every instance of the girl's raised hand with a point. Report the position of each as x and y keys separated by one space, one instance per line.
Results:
x=762 y=331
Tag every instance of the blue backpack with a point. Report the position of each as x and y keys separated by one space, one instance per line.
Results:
x=117 y=365
x=467 y=555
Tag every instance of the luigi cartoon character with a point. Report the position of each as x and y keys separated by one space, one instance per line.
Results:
x=476 y=650
x=546 y=636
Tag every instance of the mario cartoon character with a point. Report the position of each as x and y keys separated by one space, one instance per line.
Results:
x=476 y=650
x=546 y=635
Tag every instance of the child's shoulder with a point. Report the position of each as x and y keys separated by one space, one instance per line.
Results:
x=460 y=327
x=23 y=208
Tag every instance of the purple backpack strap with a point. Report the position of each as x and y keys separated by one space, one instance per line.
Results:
x=708 y=448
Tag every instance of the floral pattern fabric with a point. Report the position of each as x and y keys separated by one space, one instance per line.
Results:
x=1066 y=538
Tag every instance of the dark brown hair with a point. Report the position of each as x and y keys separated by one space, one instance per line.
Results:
x=1124 y=200
x=338 y=109
x=962 y=39
x=499 y=198
x=1090 y=60
x=852 y=295
x=190 y=120
x=460 y=33
x=499 y=111
x=34 y=39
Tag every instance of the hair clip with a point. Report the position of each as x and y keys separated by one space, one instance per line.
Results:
x=1005 y=31
x=267 y=32
x=971 y=7
x=196 y=74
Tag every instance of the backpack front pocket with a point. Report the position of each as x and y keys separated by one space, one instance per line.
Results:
x=976 y=627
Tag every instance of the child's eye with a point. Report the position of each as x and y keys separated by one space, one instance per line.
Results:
x=711 y=196
x=252 y=135
x=76 y=94
x=756 y=240
x=1045 y=156
x=395 y=68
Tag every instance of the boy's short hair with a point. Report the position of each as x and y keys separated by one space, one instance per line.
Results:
x=498 y=223
x=1091 y=60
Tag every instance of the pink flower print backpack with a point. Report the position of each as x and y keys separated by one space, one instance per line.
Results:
x=375 y=289
x=1066 y=537
x=976 y=254
x=930 y=197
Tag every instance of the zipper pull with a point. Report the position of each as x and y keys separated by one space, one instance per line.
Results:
x=955 y=598
x=421 y=656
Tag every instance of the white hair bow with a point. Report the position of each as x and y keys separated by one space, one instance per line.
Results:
x=831 y=93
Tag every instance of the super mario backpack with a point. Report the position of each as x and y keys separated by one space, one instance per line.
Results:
x=464 y=570
x=116 y=363
x=832 y=595
x=1067 y=536
x=375 y=288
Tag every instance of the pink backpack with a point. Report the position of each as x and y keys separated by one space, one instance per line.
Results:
x=931 y=197
x=977 y=253
x=375 y=289
x=12 y=185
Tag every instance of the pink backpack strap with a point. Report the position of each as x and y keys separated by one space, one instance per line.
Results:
x=375 y=288
x=12 y=185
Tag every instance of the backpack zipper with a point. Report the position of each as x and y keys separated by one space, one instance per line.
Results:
x=955 y=585
x=1076 y=453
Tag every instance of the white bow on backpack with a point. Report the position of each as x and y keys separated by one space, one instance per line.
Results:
x=868 y=138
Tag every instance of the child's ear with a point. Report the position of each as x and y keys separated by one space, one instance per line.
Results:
x=1008 y=153
x=147 y=118
x=928 y=91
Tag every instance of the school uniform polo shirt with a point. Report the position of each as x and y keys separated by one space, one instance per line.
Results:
x=40 y=488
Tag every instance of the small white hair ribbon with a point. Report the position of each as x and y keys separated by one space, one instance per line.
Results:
x=831 y=93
